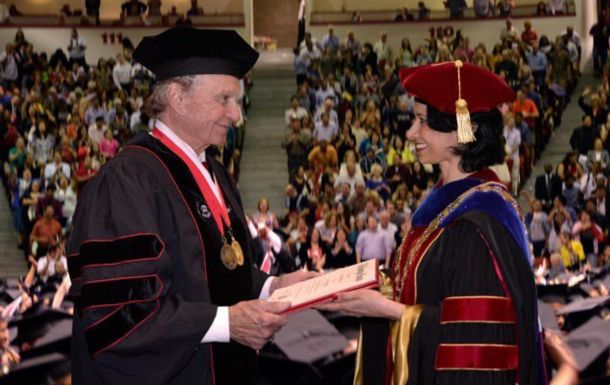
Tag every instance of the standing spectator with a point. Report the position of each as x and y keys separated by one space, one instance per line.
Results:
x=132 y=8
x=76 y=50
x=297 y=144
x=42 y=143
x=423 y=12
x=93 y=10
x=596 y=110
x=154 y=8
x=572 y=253
x=546 y=187
x=121 y=74
x=195 y=9
x=570 y=192
x=538 y=63
x=483 y=8
x=383 y=50
x=583 y=138
x=526 y=107
x=67 y=196
x=600 y=45
x=557 y=7
x=46 y=231
x=509 y=32
x=330 y=40
x=513 y=141
x=536 y=222
x=352 y=44
x=8 y=66
x=528 y=36
x=456 y=8
x=590 y=236
x=373 y=244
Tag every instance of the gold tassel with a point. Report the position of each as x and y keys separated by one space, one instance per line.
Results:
x=462 y=115
x=464 y=126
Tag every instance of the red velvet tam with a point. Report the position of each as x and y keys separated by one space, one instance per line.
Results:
x=439 y=86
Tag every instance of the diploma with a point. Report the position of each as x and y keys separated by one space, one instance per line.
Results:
x=325 y=288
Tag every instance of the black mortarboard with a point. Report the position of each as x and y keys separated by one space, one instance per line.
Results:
x=309 y=337
x=589 y=342
x=184 y=50
x=578 y=312
x=548 y=319
x=44 y=327
x=38 y=370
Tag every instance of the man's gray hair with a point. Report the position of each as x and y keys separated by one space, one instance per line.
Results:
x=157 y=101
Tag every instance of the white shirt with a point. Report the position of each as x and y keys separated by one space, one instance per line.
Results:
x=74 y=47
x=43 y=263
x=121 y=74
x=513 y=141
x=219 y=331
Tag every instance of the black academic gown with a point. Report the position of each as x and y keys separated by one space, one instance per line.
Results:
x=472 y=256
x=147 y=275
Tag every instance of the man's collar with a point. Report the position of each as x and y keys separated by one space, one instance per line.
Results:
x=178 y=141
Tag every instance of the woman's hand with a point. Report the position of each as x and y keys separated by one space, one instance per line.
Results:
x=364 y=303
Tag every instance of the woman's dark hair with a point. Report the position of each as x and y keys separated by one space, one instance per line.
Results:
x=487 y=150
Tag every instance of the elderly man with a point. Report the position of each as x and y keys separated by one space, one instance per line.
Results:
x=160 y=255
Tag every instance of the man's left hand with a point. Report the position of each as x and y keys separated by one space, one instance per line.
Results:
x=290 y=279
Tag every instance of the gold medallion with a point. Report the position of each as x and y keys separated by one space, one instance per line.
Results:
x=228 y=256
x=238 y=252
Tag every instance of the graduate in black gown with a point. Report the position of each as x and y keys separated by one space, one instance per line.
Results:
x=160 y=254
x=461 y=299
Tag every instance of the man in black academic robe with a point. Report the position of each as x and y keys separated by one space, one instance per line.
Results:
x=155 y=303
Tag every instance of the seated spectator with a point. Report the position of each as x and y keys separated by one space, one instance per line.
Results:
x=132 y=8
x=590 y=235
x=295 y=111
x=323 y=155
x=509 y=32
x=108 y=145
x=341 y=253
x=403 y=15
x=56 y=168
x=263 y=215
x=96 y=130
x=313 y=253
x=52 y=266
x=376 y=182
x=66 y=194
x=295 y=202
x=598 y=155
x=325 y=129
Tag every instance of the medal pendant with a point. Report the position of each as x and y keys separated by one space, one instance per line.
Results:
x=228 y=256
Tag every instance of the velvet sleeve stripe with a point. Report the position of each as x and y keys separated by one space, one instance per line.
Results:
x=477 y=309
x=111 y=252
x=482 y=357
x=119 y=291
x=118 y=325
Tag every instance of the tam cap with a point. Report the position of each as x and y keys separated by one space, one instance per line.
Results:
x=458 y=89
x=184 y=50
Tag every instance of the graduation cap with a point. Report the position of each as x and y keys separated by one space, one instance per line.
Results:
x=467 y=88
x=548 y=319
x=309 y=337
x=590 y=342
x=578 y=312
x=553 y=293
x=38 y=370
x=45 y=329
x=184 y=50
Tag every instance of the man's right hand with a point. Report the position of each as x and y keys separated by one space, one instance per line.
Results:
x=253 y=323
